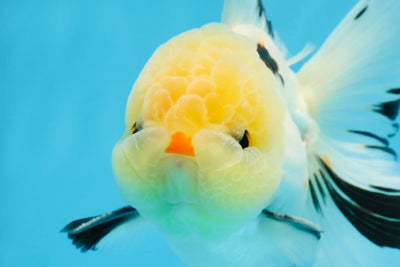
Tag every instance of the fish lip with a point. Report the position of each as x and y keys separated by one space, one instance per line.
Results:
x=170 y=156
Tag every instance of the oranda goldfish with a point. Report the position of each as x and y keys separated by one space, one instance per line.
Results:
x=240 y=161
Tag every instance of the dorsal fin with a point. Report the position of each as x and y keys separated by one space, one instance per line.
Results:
x=248 y=12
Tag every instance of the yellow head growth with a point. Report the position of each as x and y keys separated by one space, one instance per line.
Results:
x=207 y=78
x=196 y=98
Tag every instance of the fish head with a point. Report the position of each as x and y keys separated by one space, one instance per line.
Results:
x=203 y=148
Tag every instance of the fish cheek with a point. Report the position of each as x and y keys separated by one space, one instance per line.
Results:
x=242 y=190
x=134 y=162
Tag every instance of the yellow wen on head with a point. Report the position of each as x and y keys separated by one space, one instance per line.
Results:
x=194 y=100
x=207 y=78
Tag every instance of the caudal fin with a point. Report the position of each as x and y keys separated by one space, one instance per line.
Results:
x=352 y=88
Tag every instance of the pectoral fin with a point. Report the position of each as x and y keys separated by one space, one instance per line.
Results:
x=86 y=233
x=297 y=222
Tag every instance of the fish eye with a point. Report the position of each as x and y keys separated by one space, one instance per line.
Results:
x=246 y=140
x=135 y=128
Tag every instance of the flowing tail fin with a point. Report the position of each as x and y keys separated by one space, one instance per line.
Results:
x=352 y=89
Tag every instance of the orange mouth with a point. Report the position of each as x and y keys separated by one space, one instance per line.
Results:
x=181 y=144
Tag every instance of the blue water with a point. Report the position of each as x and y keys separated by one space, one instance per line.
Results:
x=66 y=69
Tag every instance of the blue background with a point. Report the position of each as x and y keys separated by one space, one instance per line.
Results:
x=66 y=69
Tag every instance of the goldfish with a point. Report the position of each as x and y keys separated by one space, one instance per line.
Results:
x=240 y=161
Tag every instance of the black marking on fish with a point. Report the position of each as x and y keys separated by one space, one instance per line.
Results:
x=297 y=222
x=317 y=190
x=396 y=128
x=389 y=109
x=384 y=149
x=361 y=13
x=320 y=188
x=385 y=189
x=269 y=61
x=374 y=136
x=395 y=91
x=376 y=215
x=378 y=203
x=314 y=197
x=86 y=233
x=261 y=13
